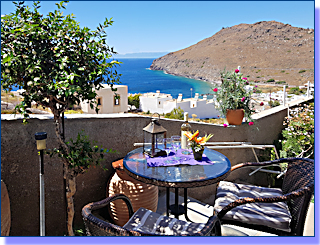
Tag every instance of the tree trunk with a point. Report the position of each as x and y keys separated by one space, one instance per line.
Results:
x=70 y=191
x=68 y=175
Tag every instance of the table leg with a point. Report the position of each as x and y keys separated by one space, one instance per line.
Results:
x=176 y=203
x=185 y=204
x=168 y=200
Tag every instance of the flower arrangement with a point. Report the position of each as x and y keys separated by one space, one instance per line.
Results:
x=298 y=136
x=232 y=94
x=197 y=143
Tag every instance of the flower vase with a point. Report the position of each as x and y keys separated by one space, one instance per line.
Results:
x=198 y=154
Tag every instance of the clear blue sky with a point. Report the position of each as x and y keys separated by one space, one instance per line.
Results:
x=166 y=26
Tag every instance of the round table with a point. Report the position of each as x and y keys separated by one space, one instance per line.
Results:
x=178 y=176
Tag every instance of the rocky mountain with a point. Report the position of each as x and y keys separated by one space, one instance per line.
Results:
x=265 y=50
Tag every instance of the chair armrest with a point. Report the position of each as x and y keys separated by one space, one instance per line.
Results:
x=286 y=197
x=108 y=227
x=103 y=203
x=266 y=163
x=213 y=226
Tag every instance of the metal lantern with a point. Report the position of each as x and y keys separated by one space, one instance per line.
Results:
x=153 y=133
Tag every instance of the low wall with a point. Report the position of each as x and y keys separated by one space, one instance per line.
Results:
x=20 y=162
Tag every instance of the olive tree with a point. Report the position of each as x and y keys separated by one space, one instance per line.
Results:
x=57 y=63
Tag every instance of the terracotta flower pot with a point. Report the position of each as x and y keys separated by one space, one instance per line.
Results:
x=140 y=194
x=198 y=154
x=234 y=117
x=5 y=211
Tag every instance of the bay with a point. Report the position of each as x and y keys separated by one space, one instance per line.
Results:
x=140 y=79
x=137 y=75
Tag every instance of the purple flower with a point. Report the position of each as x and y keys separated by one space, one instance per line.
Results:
x=243 y=98
x=244 y=78
x=225 y=125
x=236 y=71
x=256 y=86
x=251 y=123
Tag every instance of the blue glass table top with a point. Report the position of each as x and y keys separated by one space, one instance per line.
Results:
x=182 y=175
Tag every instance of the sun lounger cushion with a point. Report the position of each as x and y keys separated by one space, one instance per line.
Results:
x=275 y=215
x=154 y=223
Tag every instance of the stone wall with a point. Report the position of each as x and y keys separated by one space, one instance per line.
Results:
x=20 y=162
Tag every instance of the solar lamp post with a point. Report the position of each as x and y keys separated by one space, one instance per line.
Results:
x=41 y=138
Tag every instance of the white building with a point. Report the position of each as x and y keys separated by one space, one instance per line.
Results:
x=108 y=102
x=164 y=103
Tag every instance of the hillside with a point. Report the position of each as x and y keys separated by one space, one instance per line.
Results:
x=264 y=50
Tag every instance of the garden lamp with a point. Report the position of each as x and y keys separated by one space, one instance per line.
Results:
x=41 y=138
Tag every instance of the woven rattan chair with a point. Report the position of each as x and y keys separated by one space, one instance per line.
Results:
x=141 y=223
x=273 y=210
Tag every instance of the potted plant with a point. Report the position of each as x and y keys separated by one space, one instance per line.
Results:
x=233 y=98
x=197 y=143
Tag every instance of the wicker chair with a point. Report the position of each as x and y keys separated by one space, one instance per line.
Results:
x=277 y=211
x=141 y=223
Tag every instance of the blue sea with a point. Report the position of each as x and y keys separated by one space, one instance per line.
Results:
x=140 y=79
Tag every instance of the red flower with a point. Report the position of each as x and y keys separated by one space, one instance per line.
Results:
x=215 y=90
x=225 y=125
x=251 y=123
x=236 y=71
x=261 y=103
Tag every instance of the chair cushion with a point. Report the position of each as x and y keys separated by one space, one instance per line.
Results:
x=147 y=221
x=275 y=215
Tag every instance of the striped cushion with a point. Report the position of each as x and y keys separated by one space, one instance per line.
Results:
x=275 y=215
x=147 y=221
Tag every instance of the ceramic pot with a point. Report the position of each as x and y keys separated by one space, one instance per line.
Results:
x=234 y=117
x=5 y=211
x=198 y=154
x=140 y=194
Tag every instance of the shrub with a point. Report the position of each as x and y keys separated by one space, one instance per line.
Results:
x=274 y=103
x=134 y=100
x=302 y=71
x=298 y=136
x=280 y=82
x=270 y=80
x=295 y=90
x=176 y=113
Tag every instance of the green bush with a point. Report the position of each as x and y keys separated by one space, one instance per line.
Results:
x=274 y=103
x=270 y=80
x=134 y=100
x=280 y=82
x=298 y=136
x=296 y=91
x=302 y=71
x=176 y=113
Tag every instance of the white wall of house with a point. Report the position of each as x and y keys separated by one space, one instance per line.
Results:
x=164 y=103
x=107 y=101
